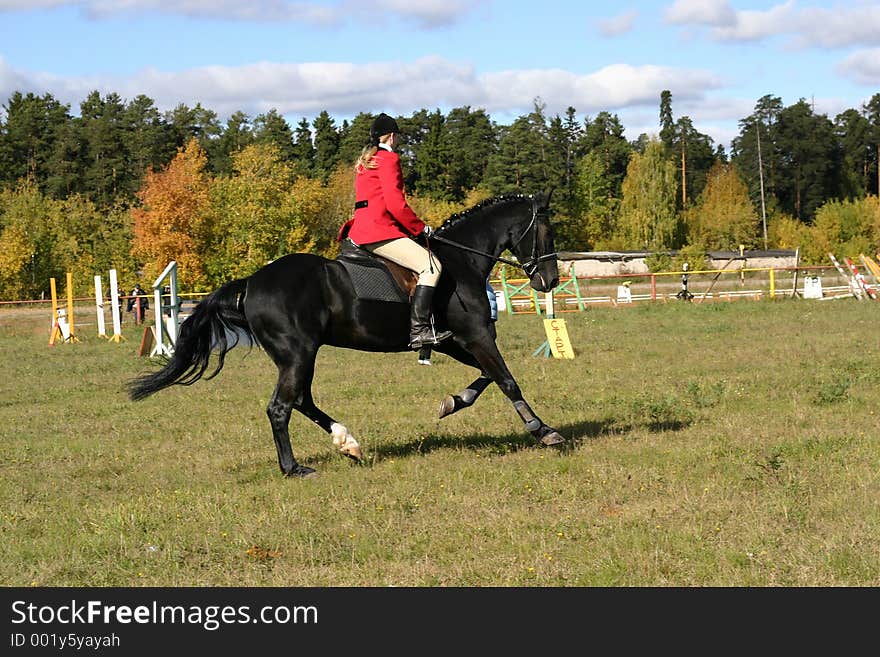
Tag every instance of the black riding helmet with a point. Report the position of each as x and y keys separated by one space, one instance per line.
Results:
x=382 y=125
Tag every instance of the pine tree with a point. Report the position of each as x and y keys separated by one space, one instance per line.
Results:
x=872 y=113
x=809 y=161
x=667 y=123
x=853 y=132
x=604 y=137
x=186 y=123
x=693 y=155
x=520 y=165
x=432 y=161
x=28 y=136
x=303 y=149
x=237 y=135
x=470 y=139
x=271 y=128
x=356 y=137
x=326 y=145
x=145 y=141
x=103 y=128
x=759 y=127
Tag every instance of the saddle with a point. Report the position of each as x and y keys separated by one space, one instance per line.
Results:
x=375 y=277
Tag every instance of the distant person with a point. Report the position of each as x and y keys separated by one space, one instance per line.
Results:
x=138 y=303
x=166 y=300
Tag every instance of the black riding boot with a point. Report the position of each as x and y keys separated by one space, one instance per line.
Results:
x=421 y=328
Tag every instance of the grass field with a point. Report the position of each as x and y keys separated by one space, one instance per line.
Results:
x=724 y=444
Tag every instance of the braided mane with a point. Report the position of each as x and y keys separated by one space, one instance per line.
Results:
x=459 y=217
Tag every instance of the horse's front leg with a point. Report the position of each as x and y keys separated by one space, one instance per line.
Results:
x=453 y=403
x=487 y=354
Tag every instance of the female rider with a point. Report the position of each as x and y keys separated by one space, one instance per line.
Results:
x=384 y=224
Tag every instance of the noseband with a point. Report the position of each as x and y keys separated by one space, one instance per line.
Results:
x=530 y=266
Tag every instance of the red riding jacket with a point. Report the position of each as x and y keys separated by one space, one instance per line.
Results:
x=381 y=211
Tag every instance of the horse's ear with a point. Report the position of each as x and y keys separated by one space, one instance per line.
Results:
x=543 y=198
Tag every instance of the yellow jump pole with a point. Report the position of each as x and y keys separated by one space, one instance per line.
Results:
x=54 y=291
x=54 y=331
x=772 y=283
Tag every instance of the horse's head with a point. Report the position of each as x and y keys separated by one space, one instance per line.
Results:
x=534 y=246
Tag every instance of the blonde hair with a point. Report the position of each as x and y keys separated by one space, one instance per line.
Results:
x=367 y=156
x=366 y=161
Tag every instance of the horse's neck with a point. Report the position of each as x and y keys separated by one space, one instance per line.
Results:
x=484 y=233
x=482 y=236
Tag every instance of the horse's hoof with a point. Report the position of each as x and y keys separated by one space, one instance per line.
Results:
x=552 y=438
x=354 y=452
x=447 y=407
x=303 y=472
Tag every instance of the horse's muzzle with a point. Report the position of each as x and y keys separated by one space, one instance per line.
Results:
x=541 y=285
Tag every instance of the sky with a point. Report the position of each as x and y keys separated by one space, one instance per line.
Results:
x=716 y=57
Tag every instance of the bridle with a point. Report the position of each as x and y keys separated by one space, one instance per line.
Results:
x=530 y=266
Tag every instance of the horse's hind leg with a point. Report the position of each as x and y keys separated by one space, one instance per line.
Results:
x=288 y=388
x=298 y=391
x=342 y=437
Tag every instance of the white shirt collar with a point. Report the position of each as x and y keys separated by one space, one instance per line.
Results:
x=387 y=147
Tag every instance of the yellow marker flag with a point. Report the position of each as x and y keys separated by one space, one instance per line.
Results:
x=557 y=338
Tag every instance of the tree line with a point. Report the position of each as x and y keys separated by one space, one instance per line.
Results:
x=121 y=184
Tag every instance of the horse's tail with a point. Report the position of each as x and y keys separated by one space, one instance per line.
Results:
x=205 y=329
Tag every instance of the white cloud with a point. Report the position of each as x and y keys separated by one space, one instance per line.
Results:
x=345 y=89
x=844 y=25
x=617 y=25
x=716 y=13
x=863 y=66
x=756 y=25
x=18 y=5
x=424 y=13
x=833 y=28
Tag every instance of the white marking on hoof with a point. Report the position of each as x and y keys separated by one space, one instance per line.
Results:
x=346 y=443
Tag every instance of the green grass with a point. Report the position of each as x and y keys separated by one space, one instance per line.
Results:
x=724 y=444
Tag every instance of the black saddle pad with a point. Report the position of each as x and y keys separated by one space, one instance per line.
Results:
x=370 y=277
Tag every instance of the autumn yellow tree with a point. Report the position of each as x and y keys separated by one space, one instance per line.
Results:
x=786 y=232
x=723 y=217
x=173 y=222
x=28 y=248
x=338 y=207
x=15 y=255
x=845 y=228
x=260 y=212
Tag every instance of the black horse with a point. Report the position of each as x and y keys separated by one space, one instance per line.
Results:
x=301 y=301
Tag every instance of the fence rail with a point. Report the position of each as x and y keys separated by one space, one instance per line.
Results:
x=576 y=293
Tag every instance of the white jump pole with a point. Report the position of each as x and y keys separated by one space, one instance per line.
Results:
x=114 y=308
x=99 y=307
x=160 y=347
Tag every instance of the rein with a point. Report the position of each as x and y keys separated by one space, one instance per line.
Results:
x=529 y=267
